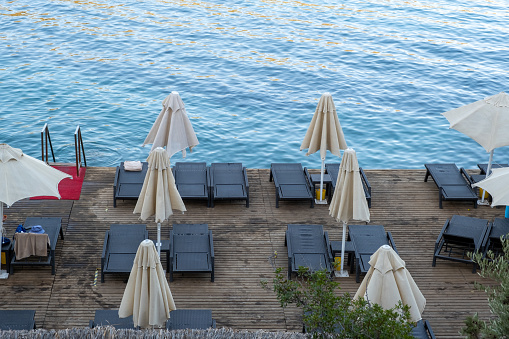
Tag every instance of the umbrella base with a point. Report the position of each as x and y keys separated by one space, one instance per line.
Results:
x=4 y=274
x=484 y=202
x=341 y=274
x=320 y=202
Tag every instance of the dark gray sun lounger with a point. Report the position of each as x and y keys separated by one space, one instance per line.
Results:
x=484 y=167
x=128 y=184
x=500 y=228
x=53 y=227
x=423 y=330
x=292 y=182
x=333 y=170
x=190 y=319
x=17 y=320
x=191 y=249
x=192 y=180
x=459 y=236
x=228 y=181
x=367 y=239
x=308 y=246
x=121 y=243
x=111 y=318
x=452 y=183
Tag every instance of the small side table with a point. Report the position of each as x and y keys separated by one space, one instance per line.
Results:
x=335 y=247
x=327 y=182
x=7 y=254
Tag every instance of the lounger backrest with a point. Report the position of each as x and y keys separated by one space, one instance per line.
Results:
x=227 y=173
x=307 y=238
x=190 y=173
x=190 y=228
x=446 y=174
x=470 y=226
x=126 y=238
x=132 y=177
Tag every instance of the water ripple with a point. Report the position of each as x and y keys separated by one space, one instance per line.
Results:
x=251 y=74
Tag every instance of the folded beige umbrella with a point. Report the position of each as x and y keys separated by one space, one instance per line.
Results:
x=388 y=281
x=324 y=133
x=497 y=185
x=159 y=195
x=22 y=176
x=486 y=121
x=147 y=296
x=172 y=128
x=348 y=202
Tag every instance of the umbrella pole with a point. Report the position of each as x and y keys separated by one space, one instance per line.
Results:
x=159 y=240
x=488 y=170
x=343 y=272
x=322 y=170
x=3 y=274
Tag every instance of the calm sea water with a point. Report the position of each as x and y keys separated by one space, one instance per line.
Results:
x=250 y=74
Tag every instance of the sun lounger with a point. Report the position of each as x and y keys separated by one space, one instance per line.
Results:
x=128 y=184
x=452 y=183
x=500 y=228
x=292 y=182
x=459 y=236
x=120 y=245
x=53 y=227
x=111 y=318
x=333 y=170
x=190 y=319
x=17 y=320
x=366 y=240
x=484 y=167
x=308 y=246
x=423 y=330
x=191 y=249
x=192 y=180
x=228 y=181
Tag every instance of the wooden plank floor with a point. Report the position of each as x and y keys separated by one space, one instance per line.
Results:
x=244 y=238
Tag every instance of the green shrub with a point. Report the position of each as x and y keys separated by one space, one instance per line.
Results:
x=326 y=314
x=496 y=268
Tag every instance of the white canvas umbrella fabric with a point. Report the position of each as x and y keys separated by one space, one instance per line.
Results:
x=486 y=121
x=22 y=176
x=147 y=296
x=159 y=195
x=497 y=185
x=349 y=201
x=324 y=133
x=172 y=128
x=388 y=281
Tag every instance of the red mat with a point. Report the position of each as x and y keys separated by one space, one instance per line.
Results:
x=69 y=189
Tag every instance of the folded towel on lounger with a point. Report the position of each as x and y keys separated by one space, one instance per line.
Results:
x=133 y=165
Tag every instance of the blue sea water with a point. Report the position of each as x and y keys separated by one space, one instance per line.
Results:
x=250 y=74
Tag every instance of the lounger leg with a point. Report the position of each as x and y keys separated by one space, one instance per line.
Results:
x=277 y=200
x=426 y=177
x=440 y=198
x=52 y=262
x=358 y=271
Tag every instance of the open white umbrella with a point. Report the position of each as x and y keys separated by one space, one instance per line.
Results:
x=388 y=281
x=22 y=176
x=159 y=195
x=349 y=201
x=497 y=185
x=324 y=133
x=172 y=128
x=486 y=121
x=147 y=296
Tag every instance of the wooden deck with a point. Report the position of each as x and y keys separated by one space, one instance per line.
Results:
x=244 y=238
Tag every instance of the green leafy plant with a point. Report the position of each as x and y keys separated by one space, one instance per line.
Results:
x=327 y=314
x=497 y=269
